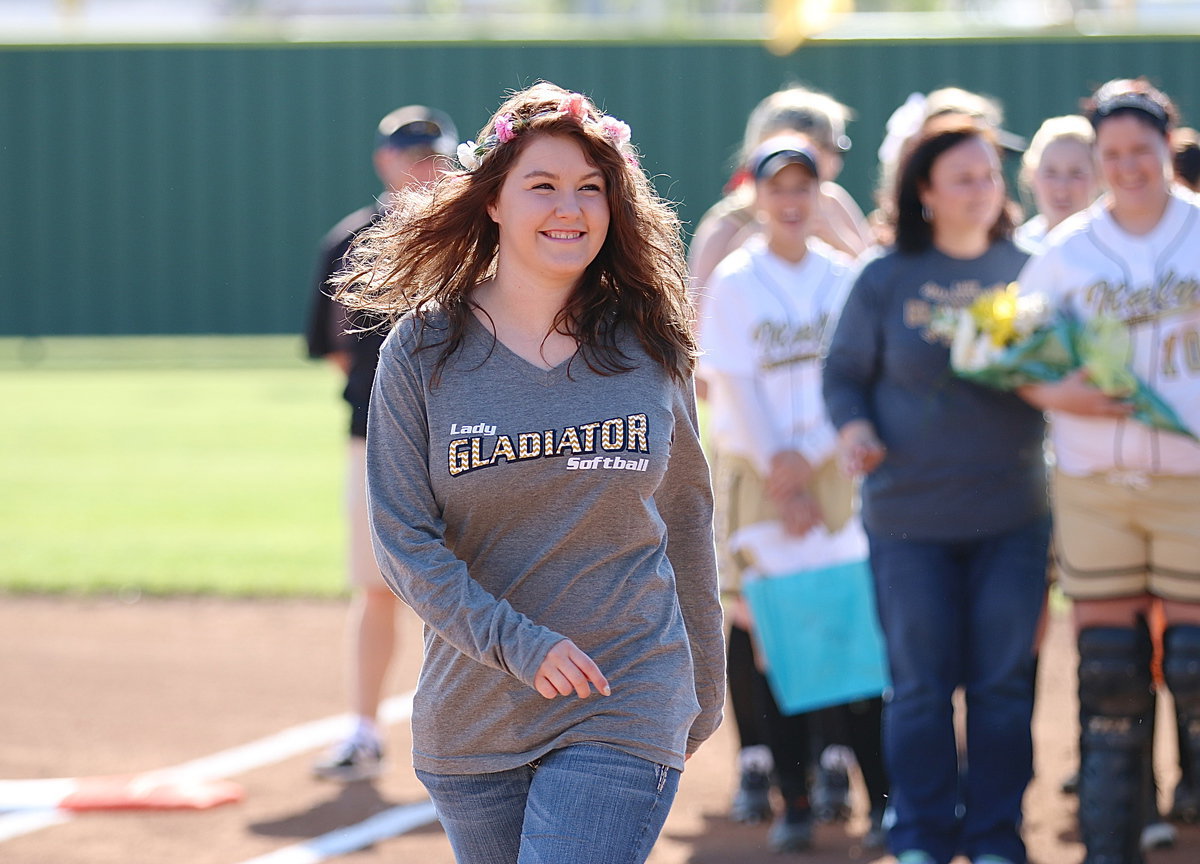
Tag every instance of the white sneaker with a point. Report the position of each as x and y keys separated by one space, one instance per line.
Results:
x=351 y=760
x=1158 y=835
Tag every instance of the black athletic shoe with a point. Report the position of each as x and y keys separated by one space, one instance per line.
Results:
x=752 y=801
x=831 y=794
x=791 y=832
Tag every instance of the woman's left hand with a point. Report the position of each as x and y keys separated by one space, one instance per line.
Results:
x=568 y=670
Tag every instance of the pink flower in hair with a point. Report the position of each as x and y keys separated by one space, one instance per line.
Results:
x=504 y=128
x=576 y=105
x=615 y=130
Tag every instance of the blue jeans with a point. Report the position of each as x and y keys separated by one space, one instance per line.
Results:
x=954 y=614
x=585 y=804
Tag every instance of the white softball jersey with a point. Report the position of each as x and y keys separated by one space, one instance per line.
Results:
x=1150 y=282
x=766 y=327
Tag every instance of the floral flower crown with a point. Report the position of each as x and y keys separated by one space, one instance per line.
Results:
x=506 y=127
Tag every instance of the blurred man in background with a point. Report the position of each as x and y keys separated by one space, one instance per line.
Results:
x=410 y=146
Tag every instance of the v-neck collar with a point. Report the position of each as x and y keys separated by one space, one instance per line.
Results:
x=496 y=349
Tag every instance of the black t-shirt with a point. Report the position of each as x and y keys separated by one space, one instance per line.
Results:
x=332 y=328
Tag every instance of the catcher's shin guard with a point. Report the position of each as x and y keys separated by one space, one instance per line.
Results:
x=1116 y=700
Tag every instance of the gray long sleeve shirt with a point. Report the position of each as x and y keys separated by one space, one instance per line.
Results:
x=513 y=506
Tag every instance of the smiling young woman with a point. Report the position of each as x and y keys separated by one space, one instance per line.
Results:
x=552 y=216
x=538 y=492
x=552 y=213
x=1126 y=496
x=1135 y=165
x=772 y=307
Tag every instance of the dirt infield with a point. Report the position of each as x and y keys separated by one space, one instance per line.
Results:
x=104 y=686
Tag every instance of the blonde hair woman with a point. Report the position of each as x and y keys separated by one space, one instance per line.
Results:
x=1057 y=172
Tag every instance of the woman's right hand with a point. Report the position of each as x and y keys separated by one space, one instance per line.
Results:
x=859 y=449
x=568 y=670
x=1074 y=394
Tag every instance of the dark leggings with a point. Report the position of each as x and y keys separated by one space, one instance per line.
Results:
x=760 y=722
x=742 y=673
x=794 y=738
x=859 y=726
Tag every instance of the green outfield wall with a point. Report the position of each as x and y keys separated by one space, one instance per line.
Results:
x=183 y=189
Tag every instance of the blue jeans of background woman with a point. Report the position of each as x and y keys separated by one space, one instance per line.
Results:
x=585 y=803
x=960 y=614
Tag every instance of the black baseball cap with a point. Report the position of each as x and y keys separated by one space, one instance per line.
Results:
x=774 y=154
x=418 y=126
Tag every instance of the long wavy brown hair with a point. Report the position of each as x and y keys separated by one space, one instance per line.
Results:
x=428 y=253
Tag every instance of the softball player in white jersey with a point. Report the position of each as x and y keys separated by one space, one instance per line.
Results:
x=1126 y=496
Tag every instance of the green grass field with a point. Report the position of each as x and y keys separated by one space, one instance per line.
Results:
x=170 y=465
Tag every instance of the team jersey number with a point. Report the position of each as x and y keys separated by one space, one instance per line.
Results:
x=1180 y=351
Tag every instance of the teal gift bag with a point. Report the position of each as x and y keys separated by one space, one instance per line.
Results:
x=819 y=632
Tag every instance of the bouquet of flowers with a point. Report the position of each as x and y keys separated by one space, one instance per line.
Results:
x=1005 y=339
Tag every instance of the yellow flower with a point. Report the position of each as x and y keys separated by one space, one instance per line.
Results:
x=995 y=314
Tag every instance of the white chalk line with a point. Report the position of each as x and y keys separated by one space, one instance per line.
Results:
x=34 y=802
x=34 y=794
x=14 y=825
x=381 y=826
